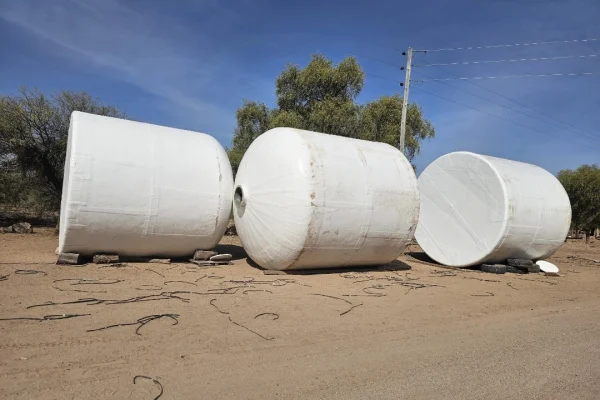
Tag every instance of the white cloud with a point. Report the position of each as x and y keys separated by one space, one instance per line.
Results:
x=149 y=50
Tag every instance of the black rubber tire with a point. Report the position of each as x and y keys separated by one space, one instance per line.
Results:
x=519 y=263
x=514 y=270
x=494 y=269
x=533 y=269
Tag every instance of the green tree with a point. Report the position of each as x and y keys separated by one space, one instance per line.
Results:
x=380 y=122
x=583 y=187
x=252 y=120
x=322 y=97
x=33 y=141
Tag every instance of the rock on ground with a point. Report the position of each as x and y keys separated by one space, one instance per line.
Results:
x=19 y=227
x=203 y=255
x=231 y=231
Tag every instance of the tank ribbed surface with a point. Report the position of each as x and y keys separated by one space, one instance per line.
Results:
x=138 y=189
x=306 y=200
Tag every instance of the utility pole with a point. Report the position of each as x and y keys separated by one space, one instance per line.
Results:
x=405 y=99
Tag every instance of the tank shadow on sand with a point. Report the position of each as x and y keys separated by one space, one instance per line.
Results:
x=395 y=265
x=422 y=256
x=237 y=252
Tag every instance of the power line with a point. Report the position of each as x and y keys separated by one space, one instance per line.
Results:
x=506 y=107
x=513 y=100
x=588 y=135
x=508 y=60
x=485 y=112
x=383 y=77
x=500 y=117
x=475 y=78
x=511 y=45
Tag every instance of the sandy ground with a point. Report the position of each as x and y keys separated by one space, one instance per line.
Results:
x=420 y=333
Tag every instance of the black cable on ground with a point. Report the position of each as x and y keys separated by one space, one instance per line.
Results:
x=156 y=382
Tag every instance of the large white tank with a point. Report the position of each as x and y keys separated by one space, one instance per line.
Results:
x=307 y=200
x=479 y=209
x=138 y=189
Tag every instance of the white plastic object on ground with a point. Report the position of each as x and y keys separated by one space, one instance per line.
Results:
x=478 y=209
x=547 y=267
x=306 y=200
x=138 y=189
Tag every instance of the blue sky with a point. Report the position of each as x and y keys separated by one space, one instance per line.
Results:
x=190 y=63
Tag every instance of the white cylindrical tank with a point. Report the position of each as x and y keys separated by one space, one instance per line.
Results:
x=306 y=200
x=478 y=209
x=138 y=189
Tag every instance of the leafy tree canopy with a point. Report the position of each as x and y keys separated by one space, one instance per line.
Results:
x=583 y=187
x=33 y=142
x=322 y=97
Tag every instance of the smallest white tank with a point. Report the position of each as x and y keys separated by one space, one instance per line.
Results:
x=480 y=209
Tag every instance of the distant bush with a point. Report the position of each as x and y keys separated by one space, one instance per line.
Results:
x=33 y=142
